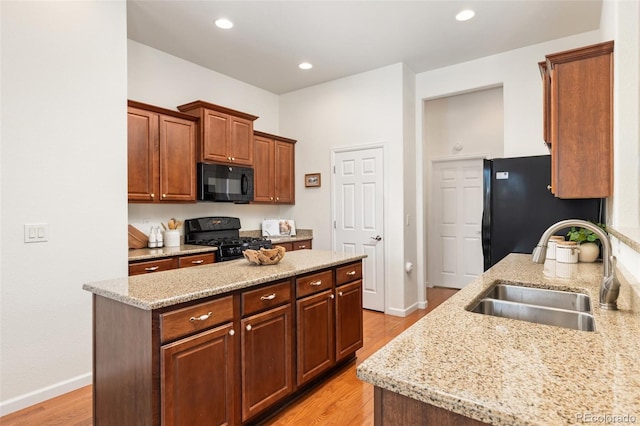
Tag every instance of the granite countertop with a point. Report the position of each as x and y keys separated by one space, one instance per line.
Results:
x=301 y=235
x=175 y=286
x=506 y=372
x=159 y=253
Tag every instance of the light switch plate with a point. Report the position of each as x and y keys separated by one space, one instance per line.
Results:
x=36 y=232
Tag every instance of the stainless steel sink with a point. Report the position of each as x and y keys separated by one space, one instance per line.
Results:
x=542 y=306
x=541 y=297
x=550 y=316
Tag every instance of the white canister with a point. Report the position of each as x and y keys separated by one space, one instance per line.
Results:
x=172 y=238
x=567 y=252
x=551 y=246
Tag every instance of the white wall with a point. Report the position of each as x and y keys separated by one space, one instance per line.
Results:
x=63 y=163
x=363 y=109
x=161 y=79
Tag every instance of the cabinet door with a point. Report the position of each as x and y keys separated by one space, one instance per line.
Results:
x=215 y=134
x=142 y=154
x=266 y=359
x=177 y=159
x=284 y=173
x=240 y=143
x=315 y=335
x=196 y=383
x=348 y=319
x=263 y=178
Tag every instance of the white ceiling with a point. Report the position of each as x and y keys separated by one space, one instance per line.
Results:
x=341 y=38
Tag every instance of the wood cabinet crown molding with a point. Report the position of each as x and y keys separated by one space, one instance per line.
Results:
x=271 y=136
x=160 y=110
x=203 y=104
x=578 y=54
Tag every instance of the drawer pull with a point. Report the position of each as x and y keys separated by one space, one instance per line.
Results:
x=340 y=293
x=248 y=327
x=315 y=283
x=269 y=297
x=231 y=332
x=151 y=268
x=197 y=262
x=201 y=317
x=351 y=273
x=302 y=246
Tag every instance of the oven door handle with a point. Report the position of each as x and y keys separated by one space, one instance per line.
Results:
x=244 y=184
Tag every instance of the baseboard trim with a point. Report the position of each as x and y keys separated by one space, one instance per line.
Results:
x=402 y=312
x=40 y=395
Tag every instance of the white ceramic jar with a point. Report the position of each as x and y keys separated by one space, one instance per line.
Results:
x=172 y=238
x=567 y=252
x=551 y=246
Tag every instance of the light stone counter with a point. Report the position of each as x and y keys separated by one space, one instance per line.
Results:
x=169 y=288
x=159 y=253
x=509 y=372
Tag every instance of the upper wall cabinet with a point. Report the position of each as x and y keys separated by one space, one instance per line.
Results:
x=161 y=147
x=225 y=136
x=274 y=166
x=578 y=120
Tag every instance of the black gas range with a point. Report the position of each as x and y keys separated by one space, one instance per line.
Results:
x=221 y=232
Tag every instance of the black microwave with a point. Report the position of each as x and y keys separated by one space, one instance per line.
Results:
x=217 y=182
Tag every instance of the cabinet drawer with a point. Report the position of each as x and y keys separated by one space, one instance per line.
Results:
x=301 y=245
x=314 y=283
x=195 y=260
x=191 y=319
x=266 y=297
x=153 y=266
x=352 y=272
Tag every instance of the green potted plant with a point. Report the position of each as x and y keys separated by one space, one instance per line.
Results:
x=588 y=242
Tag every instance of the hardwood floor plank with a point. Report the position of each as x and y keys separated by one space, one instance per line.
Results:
x=341 y=400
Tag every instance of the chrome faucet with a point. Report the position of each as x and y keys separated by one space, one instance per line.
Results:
x=610 y=286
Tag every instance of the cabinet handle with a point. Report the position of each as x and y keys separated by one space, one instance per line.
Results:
x=271 y=198
x=302 y=246
x=277 y=198
x=351 y=273
x=315 y=283
x=549 y=187
x=152 y=195
x=197 y=262
x=164 y=195
x=232 y=332
x=228 y=158
x=340 y=294
x=151 y=268
x=201 y=317
x=248 y=327
x=332 y=296
x=269 y=297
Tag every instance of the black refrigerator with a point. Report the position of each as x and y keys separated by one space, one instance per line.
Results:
x=518 y=206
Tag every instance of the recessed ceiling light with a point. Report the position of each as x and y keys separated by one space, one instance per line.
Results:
x=465 y=15
x=305 y=66
x=224 y=23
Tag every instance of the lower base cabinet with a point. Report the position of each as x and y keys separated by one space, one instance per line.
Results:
x=196 y=384
x=226 y=360
x=266 y=360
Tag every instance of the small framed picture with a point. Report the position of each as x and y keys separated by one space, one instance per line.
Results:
x=312 y=179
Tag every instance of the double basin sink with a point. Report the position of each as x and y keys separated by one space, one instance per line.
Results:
x=542 y=306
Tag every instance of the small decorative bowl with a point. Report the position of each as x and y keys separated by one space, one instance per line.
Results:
x=265 y=256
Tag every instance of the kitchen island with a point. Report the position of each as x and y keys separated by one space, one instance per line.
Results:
x=225 y=343
x=470 y=368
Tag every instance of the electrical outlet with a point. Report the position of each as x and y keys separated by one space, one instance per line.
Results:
x=36 y=232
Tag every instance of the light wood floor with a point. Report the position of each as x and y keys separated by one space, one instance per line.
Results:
x=341 y=400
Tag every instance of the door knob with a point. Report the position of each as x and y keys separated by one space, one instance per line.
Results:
x=377 y=238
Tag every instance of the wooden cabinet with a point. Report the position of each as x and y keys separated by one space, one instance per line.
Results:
x=329 y=319
x=197 y=372
x=224 y=136
x=578 y=120
x=266 y=348
x=161 y=155
x=296 y=245
x=274 y=169
x=174 y=262
x=229 y=359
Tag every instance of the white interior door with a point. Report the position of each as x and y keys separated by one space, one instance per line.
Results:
x=358 y=196
x=455 y=250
